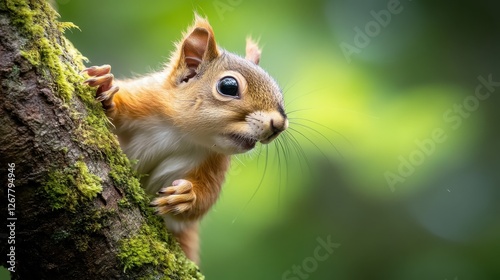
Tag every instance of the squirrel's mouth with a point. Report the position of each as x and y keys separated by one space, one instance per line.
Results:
x=247 y=143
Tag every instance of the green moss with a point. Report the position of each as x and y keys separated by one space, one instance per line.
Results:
x=24 y=15
x=14 y=74
x=82 y=243
x=123 y=176
x=60 y=235
x=33 y=56
x=85 y=225
x=87 y=183
x=94 y=133
x=71 y=186
x=151 y=246
x=63 y=26
x=138 y=250
x=124 y=203
x=64 y=150
x=94 y=221
x=30 y=17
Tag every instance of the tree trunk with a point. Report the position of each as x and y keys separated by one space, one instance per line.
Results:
x=72 y=206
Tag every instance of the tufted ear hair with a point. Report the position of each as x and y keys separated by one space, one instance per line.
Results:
x=197 y=47
x=252 y=51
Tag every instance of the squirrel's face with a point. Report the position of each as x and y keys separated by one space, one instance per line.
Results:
x=240 y=104
x=228 y=103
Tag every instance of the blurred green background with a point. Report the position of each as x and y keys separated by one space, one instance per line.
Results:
x=357 y=119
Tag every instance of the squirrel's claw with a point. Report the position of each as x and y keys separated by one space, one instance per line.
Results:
x=103 y=80
x=175 y=199
x=106 y=98
x=97 y=70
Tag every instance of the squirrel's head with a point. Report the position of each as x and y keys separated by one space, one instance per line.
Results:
x=228 y=102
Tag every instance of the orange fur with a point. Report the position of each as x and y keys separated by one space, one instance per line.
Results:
x=133 y=99
x=207 y=180
x=188 y=239
x=182 y=129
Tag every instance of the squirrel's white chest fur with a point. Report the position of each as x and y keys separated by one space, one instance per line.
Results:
x=163 y=153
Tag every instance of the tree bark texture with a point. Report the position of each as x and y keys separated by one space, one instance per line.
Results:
x=72 y=205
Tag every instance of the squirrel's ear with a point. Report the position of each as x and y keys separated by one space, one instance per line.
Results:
x=252 y=51
x=198 y=46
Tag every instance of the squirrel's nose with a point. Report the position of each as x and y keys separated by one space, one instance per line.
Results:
x=278 y=124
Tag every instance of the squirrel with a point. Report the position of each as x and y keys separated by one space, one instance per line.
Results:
x=183 y=124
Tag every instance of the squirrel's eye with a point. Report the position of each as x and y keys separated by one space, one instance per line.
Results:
x=228 y=86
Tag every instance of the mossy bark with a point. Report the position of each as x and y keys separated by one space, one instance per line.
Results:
x=80 y=211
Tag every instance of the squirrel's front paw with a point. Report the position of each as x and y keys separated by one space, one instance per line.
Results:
x=175 y=199
x=103 y=79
